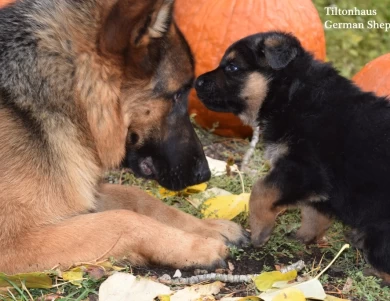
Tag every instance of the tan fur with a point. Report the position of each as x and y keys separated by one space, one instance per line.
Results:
x=273 y=152
x=254 y=93
x=262 y=211
x=50 y=176
x=273 y=42
x=313 y=225
x=231 y=56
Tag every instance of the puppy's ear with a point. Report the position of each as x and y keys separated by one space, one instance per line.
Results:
x=280 y=49
x=134 y=23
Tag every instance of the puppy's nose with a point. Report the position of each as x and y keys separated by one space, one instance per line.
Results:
x=199 y=82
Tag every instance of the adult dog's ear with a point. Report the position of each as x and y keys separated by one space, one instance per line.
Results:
x=280 y=49
x=134 y=23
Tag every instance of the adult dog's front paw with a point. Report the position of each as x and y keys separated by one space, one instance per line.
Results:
x=229 y=232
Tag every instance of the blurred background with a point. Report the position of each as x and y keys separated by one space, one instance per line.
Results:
x=350 y=49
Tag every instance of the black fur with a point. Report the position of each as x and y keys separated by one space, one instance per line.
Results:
x=338 y=136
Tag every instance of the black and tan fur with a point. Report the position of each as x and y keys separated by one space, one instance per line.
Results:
x=81 y=83
x=327 y=141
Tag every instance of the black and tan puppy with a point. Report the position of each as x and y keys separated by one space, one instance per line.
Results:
x=328 y=142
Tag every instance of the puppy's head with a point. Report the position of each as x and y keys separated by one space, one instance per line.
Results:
x=246 y=73
x=158 y=72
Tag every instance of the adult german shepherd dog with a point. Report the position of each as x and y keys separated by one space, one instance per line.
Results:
x=81 y=83
x=328 y=142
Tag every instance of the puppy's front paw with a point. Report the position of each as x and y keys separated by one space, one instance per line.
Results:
x=305 y=237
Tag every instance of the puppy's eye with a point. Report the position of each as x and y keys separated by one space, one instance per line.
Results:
x=231 y=68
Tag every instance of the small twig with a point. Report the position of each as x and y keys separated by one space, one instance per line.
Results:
x=299 y=265
x=12 y=295
x=24 y=288
x=242 y=180
x=346 y=246
x=109 y=250
x=225 y=277
x=209 y=278
x=251 y=150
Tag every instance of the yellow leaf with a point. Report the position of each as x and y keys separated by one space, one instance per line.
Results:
x=164 y=193
x=31 y=280
x=164 y=298
x=333 y=298
x=249 y=298
x=226 y=206
x=197 y=199
x=265 y=280
x=74 y=276
x=312 y=289
x=196 y=188
x=290 y=294
x=109 y=266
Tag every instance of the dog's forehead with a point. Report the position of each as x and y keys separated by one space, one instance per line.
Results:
x=238 y=52
x=176 y=67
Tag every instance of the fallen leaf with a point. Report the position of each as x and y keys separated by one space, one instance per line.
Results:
x=195 y=188
x=281 y=284
x=226 y=206
x=124 y=287
x=193 y=293
x=164 y=298
x=249 y=298
x=96 y=272
x=311 y=289
x=197 y=199
x=31 y=280
x=333 y=298
x=217 y=167
x=74 y=276
x=108 y=266
x=164 y=193
x=290 y=294
x=265 y=280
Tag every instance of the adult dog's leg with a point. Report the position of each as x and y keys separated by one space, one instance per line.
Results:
x=132 y=198
x=118 y=233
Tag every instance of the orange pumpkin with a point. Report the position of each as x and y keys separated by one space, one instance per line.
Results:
x=375 y=76
x=210 y=26
x=5 y=2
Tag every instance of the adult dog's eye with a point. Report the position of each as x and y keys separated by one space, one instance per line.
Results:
x=177 y=96
x=231 y=68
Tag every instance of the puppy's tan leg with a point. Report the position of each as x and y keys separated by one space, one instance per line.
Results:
x=118 y=233
x=263 y=212
x=132 y=198
x=313 y=225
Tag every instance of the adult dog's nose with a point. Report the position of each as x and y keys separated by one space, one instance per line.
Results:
x=203 y=173
x=199 y=82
